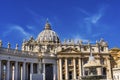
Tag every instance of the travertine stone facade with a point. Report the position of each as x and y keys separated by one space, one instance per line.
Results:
x=115 y=53
x=60 y=60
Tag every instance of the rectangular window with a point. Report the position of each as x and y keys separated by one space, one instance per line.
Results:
x=102 y=48
x=70 y=75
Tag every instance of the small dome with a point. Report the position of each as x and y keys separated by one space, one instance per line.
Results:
x=48 y=35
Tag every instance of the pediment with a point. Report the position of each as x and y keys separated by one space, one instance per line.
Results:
x=69 y=50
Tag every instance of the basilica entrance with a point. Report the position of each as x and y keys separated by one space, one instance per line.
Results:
x=49 y=71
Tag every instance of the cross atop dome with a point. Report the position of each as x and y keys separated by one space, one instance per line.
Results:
x=47 y=25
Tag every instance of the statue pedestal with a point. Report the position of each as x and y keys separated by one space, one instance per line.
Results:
x=36 y=76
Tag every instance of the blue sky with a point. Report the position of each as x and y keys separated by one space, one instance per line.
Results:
x=71 y=19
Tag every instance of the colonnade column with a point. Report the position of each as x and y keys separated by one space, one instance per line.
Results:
x=16 y=70
x=8 y=70
x=31 y=68
x=38 y=71
x=27 y=69
x=23 y=71
x=44 y=71
x=79 y=63
x=66 y=69
x=60 y=66
x=0 y=70
x=74 y=63
x=55 y=71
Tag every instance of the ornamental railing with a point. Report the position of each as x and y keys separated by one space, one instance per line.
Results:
x=17 y=52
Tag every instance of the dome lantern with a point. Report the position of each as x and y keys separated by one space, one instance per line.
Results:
x=47 y=26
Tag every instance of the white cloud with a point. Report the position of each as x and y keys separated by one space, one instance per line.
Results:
x=84 y=40
x=84 y=11
x=30 y=27
x=18 y=28
x=93 y=20
x=78 y=37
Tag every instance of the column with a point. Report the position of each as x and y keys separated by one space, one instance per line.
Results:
x=99 y=70
x=44 y=71
x=31 y=68
x=38 y=68
x=74 y=63
x=109 y=74
x=58 y=69
x=13 y=76
x=83 y=74
x=19 y=71
x=16 y=70
x=0 y=70
x=8 y=70
x=79 y=63
x=66 y=69
x=27 y=71
x=11 y=70
x=60 y=66
x=55 y=71
x=23 y=71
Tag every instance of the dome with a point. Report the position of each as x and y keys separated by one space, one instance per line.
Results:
x=48 y=35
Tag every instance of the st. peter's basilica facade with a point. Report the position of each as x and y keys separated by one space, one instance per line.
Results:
x=55 y=60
